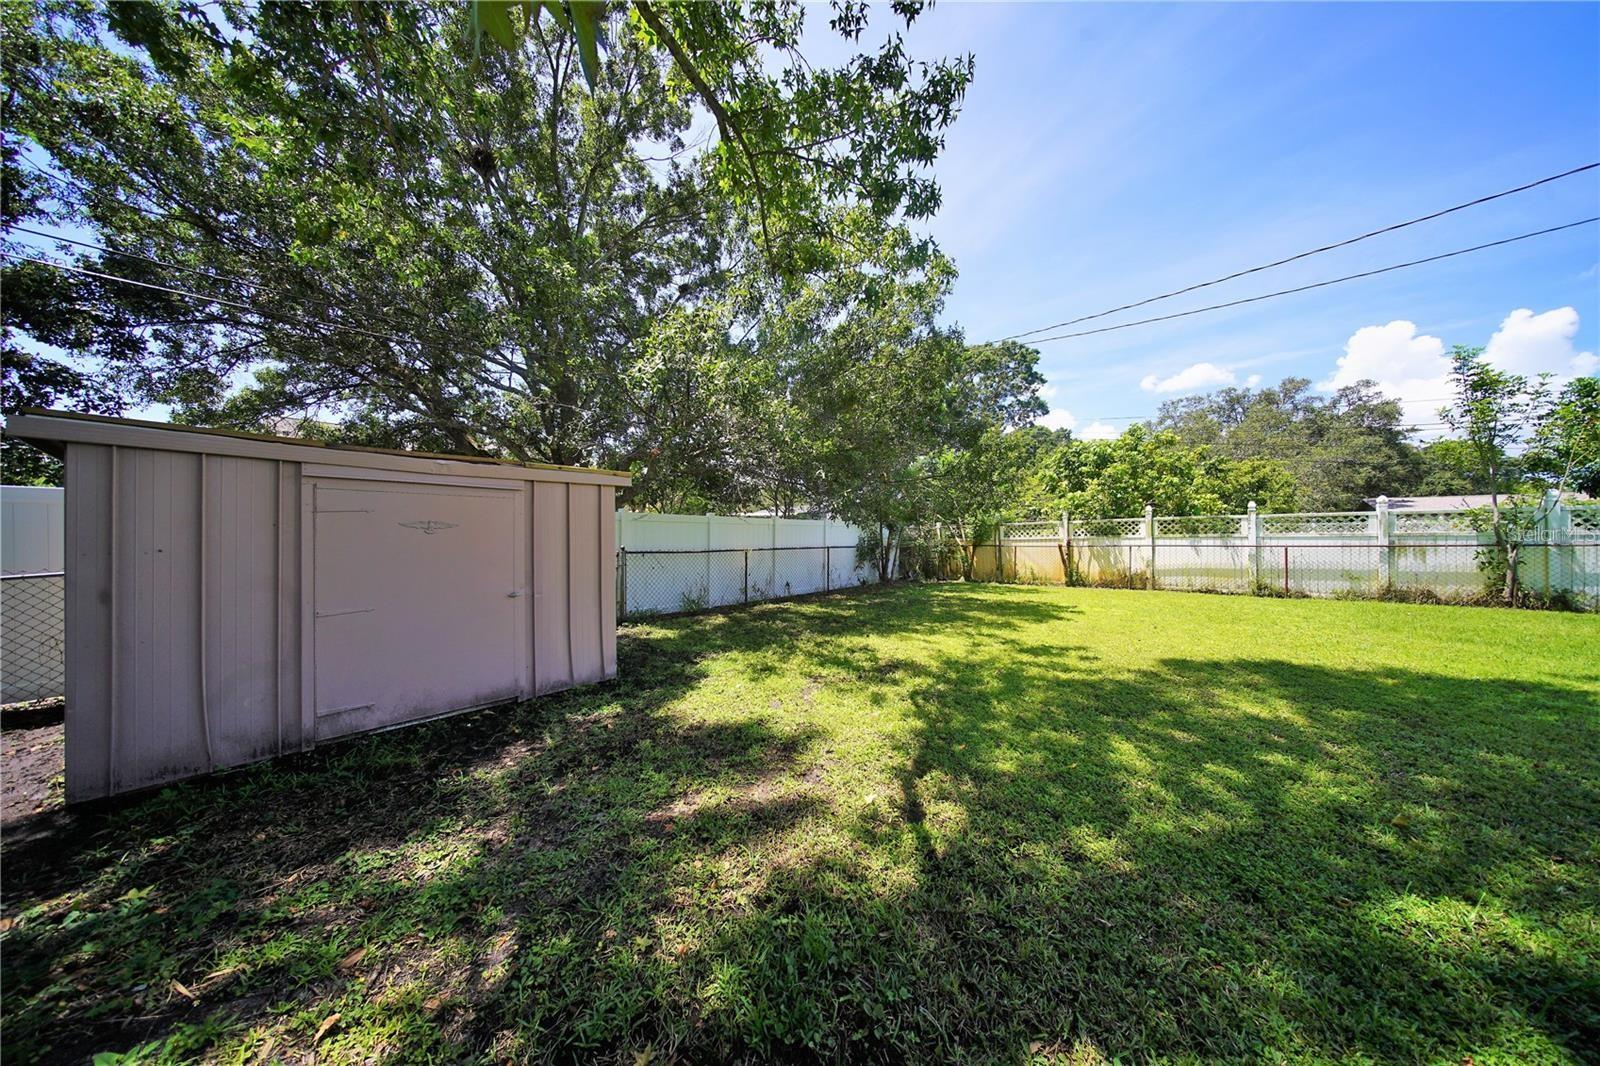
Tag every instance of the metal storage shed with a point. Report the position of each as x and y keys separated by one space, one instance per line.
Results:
x=231 y=597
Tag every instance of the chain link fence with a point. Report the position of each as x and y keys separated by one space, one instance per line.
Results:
x=32 y=637
x=678 y=581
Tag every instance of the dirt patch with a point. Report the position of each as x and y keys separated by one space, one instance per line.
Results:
x=32 y=756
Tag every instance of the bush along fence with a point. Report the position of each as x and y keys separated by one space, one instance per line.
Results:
x=671 y=564
x=1426 y=556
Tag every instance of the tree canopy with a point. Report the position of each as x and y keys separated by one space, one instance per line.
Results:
x=1341 y=448
x=367 y=216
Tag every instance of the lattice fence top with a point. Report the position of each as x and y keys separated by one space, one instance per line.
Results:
x=1330 y=524
x=1205 y=525
x=1585 y=521
x=1107 y=528
x=1421 y=522
x=1015 y=531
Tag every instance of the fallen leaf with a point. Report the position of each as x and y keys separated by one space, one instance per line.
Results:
x=265 y=1049
x=322 y=1030
x=1400 y=821
x=178 y=987
x=351 y=959
x=216 y=978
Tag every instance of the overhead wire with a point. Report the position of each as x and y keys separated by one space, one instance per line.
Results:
x=226 y=278
x=1316 y=284
x=1304 y=255
x=278 y=316
x=202 y=297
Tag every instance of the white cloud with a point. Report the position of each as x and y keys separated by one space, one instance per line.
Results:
x=1190 y=379
x=1057 y=417
x=1414 y=368
x=1409 y=366
x=1252 y=381
x=1099 y=431
x=1532 y=344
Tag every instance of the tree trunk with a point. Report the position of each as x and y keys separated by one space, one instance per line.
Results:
x=1511 y=550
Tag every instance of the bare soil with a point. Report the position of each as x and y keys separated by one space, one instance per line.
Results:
x=31 y=762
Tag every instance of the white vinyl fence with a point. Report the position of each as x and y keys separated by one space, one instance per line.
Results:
x=669 y=563
x=32 y=594
x=1410 y=554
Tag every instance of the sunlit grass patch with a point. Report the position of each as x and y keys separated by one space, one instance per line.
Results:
x=951 y=822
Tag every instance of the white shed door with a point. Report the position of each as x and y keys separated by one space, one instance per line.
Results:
x=419 y=604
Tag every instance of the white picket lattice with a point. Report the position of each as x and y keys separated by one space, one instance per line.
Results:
x=1107 y=528
x=1022 y=531
x=1329 y=524
x=1204 y=525
x=1414 y=523
x=1585 y=522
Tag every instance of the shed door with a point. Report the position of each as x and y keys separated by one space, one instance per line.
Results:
x=419 y=601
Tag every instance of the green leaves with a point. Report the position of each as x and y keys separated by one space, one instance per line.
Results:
x=493 y=17
x=587 y=18
x=583 y=19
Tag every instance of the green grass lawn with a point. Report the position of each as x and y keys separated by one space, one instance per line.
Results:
x=933 y=822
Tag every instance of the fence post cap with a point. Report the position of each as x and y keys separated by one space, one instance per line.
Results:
x=1251 y=507
x=1383 y=501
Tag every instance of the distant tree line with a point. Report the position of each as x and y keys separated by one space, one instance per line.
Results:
x=1284 y=447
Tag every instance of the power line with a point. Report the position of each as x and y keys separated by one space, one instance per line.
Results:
x=251 y=308
x=226 y=278
x=224 y=301
x=1317 y=284
x=1303 y=255
x=148 y=259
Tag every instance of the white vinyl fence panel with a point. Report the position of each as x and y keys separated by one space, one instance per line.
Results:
x=32 y=518
x=670 y=563
x=1426 y=554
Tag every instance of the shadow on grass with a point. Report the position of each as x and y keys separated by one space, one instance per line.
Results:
x=1242 y=859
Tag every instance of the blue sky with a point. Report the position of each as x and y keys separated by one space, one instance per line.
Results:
x=1111 y=152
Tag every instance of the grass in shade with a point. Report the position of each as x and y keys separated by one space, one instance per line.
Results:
x=955 y=822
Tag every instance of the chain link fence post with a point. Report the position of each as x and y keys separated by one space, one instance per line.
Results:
x=1150 y=533
x=1385 y=551
x=622 y=582
x=1252 y=533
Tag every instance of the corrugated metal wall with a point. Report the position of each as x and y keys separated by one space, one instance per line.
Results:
x=187 y=593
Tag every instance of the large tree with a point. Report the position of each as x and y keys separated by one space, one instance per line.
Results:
x=1564 y=451
x=1497 y=413
x=1341 y=449
x=437 y=244
x=872 y=384
x=1119 y=478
